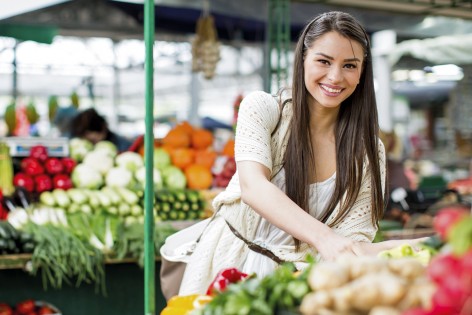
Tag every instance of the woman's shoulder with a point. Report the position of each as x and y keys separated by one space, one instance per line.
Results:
x=262 y=105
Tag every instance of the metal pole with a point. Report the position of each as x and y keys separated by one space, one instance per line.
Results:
x=15 y=73
x=149 y=259
x=115 y=89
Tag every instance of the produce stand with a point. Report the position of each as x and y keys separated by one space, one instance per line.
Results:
x=124 y=284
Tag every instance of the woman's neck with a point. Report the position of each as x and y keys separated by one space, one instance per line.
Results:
x=323 y=121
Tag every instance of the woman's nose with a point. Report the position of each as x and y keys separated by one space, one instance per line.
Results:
x=335 y=74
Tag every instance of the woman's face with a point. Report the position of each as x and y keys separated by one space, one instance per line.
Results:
x=333 y=67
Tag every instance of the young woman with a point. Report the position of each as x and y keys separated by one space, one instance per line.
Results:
x=310 y=168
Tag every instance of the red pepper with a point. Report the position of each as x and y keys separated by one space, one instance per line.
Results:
x=223 y=279
x=31 y=166
x=23 y=180
x=69 y=164
x=5 y=309
x=25 y=307
x=43 y=183
x=53 y=166
x=39 y=152
x=62 y=181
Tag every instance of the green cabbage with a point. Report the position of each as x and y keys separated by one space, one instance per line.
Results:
x=161 y=158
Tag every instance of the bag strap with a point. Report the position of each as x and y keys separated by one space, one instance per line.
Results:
x=255 y=247
x=251 y=245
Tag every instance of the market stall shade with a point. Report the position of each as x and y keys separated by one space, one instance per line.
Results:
x=40 y=34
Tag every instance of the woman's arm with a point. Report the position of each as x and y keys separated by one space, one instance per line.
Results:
x=274 y=205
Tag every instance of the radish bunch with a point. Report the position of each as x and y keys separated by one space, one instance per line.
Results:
x=451 y=271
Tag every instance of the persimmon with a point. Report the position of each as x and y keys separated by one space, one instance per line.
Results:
x=201 y=138
x=184 y=126
x=205 y=158
x=177 y=138
x=182 y=157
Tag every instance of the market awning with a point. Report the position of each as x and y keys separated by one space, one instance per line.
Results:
x=38 y=33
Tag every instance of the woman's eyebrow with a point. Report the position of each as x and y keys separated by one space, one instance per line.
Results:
x=331 y=58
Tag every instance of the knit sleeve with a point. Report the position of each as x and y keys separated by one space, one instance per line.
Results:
x=357 y=225
x=258 y=115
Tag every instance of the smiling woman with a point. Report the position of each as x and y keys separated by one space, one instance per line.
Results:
x=310 y=168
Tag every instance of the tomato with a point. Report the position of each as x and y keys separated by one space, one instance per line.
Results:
x=25 y=307
x=5 y=309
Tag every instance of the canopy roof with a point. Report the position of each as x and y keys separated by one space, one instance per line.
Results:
x=235 y=20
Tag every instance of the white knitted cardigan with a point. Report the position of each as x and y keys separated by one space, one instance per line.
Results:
x=263 y=108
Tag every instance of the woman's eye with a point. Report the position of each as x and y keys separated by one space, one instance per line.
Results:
x=351 y=66
x=323 y=61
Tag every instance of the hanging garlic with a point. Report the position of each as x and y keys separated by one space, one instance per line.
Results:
x=205 y=47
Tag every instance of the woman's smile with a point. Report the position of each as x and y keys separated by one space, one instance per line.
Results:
x=333 y=66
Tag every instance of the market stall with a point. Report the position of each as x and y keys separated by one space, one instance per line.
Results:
x=72 y=214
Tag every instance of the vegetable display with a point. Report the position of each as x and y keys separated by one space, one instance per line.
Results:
x=179 y=204
x=39 y=172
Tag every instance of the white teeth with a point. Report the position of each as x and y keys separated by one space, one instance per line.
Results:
x=330 y=89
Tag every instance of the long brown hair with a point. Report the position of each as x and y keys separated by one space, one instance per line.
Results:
x=356 y=130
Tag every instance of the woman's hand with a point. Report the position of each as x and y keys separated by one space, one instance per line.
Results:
x=372 y=249
x=331 y=245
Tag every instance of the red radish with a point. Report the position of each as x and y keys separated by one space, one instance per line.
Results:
x=442 y=266
x=444 y=303
x=446 y=218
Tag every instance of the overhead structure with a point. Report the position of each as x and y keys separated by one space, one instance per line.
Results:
x=450 y=8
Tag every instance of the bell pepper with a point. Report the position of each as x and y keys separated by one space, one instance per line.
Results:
x=43 y=183
x=53 y=166
x=224 y=278
x=31 y=166
x=23 y=180
x=69 y=164
x=62 y=181
x=39 y=152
